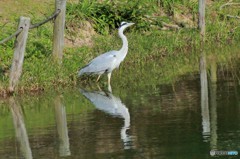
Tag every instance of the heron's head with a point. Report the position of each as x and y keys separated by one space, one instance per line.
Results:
x=124 y=25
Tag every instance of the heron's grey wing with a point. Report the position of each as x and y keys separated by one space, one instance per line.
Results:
x=101 y=64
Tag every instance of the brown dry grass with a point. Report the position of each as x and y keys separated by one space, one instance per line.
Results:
x=82 y=35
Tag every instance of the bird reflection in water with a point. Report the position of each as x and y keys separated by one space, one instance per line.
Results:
x=110 y=104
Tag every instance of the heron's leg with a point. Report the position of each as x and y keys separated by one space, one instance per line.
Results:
x=109 y=78
x=98 y=77
x=110 y=88
x=99 y=88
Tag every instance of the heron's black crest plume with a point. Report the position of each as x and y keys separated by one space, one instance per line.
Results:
x=122 y=24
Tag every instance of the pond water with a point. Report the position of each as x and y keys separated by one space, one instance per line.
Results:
x=184 y=119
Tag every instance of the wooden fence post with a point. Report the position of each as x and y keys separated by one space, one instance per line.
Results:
x=201 y=20
x=19 y=49
x=58 y=32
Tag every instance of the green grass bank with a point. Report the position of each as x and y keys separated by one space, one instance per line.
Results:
x=163 y=45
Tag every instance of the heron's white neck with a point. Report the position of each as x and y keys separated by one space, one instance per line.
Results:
x=124 y=48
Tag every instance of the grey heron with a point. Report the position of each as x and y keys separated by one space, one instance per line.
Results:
x=107 y=62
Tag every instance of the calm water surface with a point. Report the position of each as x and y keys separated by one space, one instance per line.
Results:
x=181 y=120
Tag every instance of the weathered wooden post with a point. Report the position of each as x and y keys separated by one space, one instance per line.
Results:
x=201 y=19
x=58 y=32
x=19 y=49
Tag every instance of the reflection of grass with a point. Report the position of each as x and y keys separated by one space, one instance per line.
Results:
x=39 y=112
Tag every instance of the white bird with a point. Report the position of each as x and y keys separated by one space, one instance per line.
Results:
x=107 y=62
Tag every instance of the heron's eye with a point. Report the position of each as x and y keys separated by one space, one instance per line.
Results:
x=123 y=23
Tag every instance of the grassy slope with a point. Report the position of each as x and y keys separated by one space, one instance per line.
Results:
x=9 y=16
x=175 y=50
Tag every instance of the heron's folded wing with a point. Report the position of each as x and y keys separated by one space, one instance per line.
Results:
x=102 y=63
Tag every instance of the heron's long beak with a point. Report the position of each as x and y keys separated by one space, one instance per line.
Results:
x=129 y=24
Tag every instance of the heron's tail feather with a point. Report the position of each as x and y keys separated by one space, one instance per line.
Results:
x=81 y=72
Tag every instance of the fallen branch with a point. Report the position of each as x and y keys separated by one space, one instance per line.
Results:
x=230 y=3
x=173 y=26
x=232 y=16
